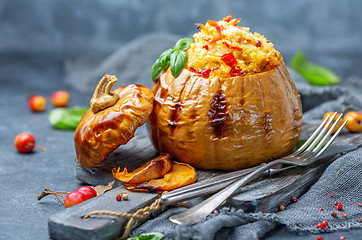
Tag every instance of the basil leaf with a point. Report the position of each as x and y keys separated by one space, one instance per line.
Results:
x=178 y=62
x=156 y=70
x=315 y=74
x=300 y=143
x=164 y=59
x=66 y=118
x=148 y=236
x=183 y=43
x=298 y=61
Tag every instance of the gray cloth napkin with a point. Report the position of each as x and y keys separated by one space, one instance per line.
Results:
x=342 y=178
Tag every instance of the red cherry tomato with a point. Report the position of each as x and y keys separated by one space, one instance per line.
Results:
x=74 y=198
x=339 y=124
x=37 y=103
x=24 y=142
x=354 y=123
x=60 y=98
x=87 y=191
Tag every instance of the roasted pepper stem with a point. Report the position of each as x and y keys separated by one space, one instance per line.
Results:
x=102 y=97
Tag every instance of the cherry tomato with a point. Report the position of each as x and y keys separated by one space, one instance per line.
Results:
x=354 y=123
x=74 y=198
x=88 y=192
x=335 y=118
x=24 y=142
x=60 y=98
x=37 y=103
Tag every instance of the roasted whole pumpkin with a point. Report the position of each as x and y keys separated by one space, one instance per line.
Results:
x=243 y=112
x=111 y=121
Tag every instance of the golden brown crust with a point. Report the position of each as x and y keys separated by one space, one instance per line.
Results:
x=155 y=168
x=180 y=175
x=100 y=133
x=226 y=123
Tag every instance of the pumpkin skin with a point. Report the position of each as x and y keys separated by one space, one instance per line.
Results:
x=98 y=134
x=226 y=123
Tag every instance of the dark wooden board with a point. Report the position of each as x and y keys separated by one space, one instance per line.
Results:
x=265 y=194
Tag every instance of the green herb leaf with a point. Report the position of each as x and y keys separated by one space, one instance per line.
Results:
x=178 y=62
x=148 y=236
x=300 y=143
x=164 y=59
x=315 y=74
x=176 y=57
x=156 y=70
x=66 y=118
x=183 y=43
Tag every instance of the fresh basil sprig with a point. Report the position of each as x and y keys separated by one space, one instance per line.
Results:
x=315 y=74
x=148 y=236
x=66 y=118
x=175 y=57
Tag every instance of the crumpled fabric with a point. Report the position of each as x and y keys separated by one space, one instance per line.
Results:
x=343 y=178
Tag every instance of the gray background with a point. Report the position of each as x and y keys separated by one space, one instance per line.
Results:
x=55 y=32
x=46 y=45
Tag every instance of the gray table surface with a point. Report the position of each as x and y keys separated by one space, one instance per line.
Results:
x=24 y=176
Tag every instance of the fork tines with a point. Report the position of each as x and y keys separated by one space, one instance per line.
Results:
x=316 y=144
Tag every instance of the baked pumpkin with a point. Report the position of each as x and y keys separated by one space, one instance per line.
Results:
x=111 y=121
x=233 y=106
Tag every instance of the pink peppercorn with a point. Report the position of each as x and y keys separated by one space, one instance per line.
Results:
x=339 y=207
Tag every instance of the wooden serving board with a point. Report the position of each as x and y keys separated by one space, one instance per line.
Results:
x=265 y=194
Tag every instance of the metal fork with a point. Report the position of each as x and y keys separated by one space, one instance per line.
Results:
x=307 y=154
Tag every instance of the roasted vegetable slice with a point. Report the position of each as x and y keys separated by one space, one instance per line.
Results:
x=181 y=174
x=155 y=168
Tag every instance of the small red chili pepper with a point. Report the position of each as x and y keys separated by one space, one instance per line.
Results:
x=342 y=237
x=235 y=72
x=330 y=194
x=193 y=70
x=333 y=214
x=339 y=207
x=227 y=45
x=319 y=238
x=206 y=73
x=229 y=59
x=359 y=204
x=343 y=214
x=206 y=47
x=320 y=209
